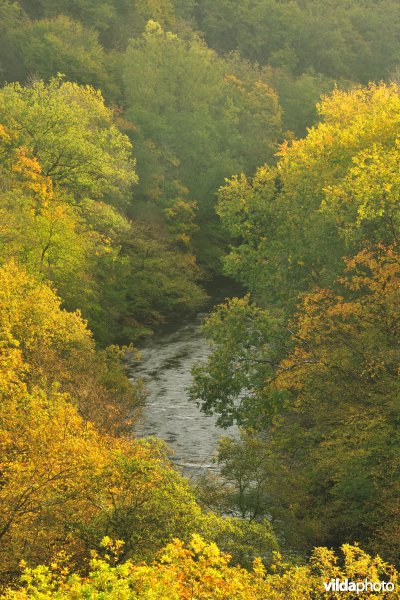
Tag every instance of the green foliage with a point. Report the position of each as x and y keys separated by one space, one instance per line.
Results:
x=324 y=465
x=61 y=45
x=328 y=195
x=341 y=431
x=198 y=118
x=298 y=96
x=11 y=19
x=72 y=135
x=116 y=20
x=233 y=383
x=311 y=371
x=332 y=437
x=356 y=40
x=142 y=501
x=70 y=173
x=246 y=541
x=90 y=12
x=244 y=466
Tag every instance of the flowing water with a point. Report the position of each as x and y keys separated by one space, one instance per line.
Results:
x=165 y=366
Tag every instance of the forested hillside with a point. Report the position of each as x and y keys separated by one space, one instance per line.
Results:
x=148 y=148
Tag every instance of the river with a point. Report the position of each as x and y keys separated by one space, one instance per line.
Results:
x=165 y=366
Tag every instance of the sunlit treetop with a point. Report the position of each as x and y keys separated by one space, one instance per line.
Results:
x=72 y=134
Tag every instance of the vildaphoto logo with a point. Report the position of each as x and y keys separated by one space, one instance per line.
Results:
x=359 y=587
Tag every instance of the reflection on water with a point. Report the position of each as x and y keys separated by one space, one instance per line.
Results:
x=165 y=366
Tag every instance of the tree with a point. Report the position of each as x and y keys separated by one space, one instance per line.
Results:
x=244 y=466
x=140 y=499
x=61 y=45
x=331 y=194
x=48 y=456
x=66 y=479
x=55 y=348
x=117 y=21
x=72 y=135
x=299 y=96
x=39 y=228
x=208 y=119
x=11 y=19
x=325 y=408
x=70 y=174
x=340 y=432
x=339 y=40
x=233 y=383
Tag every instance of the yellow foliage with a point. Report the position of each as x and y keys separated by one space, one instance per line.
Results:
x=347 y=164
x=199 y=571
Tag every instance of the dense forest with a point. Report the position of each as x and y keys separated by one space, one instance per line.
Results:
x=149 y=148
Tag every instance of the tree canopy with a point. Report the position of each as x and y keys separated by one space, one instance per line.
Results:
x=147 y=149
x=308 y=358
